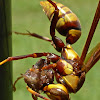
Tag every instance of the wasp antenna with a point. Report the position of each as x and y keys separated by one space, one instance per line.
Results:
x=35 y=35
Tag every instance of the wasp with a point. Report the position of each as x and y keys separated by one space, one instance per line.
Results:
x=69 y=69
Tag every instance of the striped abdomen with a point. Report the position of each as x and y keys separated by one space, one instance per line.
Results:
x=68 y=24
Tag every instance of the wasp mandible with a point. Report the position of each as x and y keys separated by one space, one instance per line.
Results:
x=69 y=69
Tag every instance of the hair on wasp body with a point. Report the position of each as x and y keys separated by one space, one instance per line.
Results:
x=69 y=69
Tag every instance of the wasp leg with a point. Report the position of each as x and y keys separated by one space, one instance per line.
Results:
x=57 y=43
x=14 y=88
x=34 y=97
x=36 y=94
x=33 y=55
x=35 y=35
x=53 y=66
x=81 y=81
x=56 y=92
x=54 y=20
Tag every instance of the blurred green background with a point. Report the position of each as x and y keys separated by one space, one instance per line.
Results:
x=28 y=15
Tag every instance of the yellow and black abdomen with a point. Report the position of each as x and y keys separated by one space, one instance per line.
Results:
x=68 y=24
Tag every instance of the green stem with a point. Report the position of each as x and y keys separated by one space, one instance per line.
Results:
x=5 y=50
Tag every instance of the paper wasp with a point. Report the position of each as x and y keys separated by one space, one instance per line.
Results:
x=69 y=69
